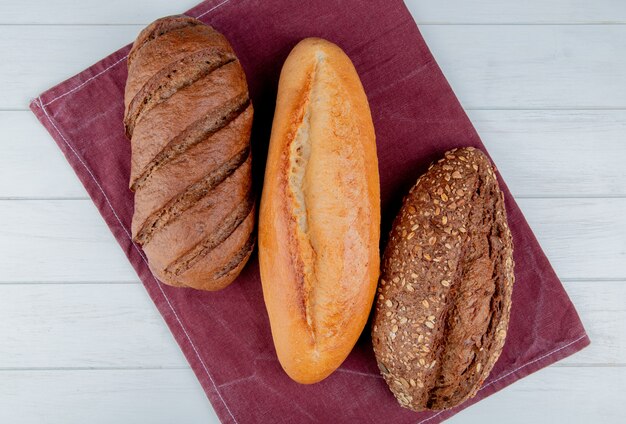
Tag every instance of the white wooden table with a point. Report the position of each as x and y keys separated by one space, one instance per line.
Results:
x=543 y=81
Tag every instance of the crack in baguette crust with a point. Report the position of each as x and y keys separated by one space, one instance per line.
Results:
x=173 y=77
x=190 y=196
x=299 y=151
x=194 y=134
x=237 y=215
x=157 y=29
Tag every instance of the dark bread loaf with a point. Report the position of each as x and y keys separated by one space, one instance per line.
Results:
x=189 y=118
x=442 y=311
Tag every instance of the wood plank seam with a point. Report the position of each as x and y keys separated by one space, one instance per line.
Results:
x=140 y=255
x=516 y=369
x=107 y=69
x=165 y=295
x=158 y=284
x=531 y=109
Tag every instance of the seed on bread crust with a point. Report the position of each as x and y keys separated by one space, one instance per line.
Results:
x=448 y=273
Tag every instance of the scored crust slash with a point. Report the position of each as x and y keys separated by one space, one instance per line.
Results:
x=189 y=117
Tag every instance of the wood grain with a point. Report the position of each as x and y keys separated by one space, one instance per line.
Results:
x=585 y=395
x=582 y=237
x=557 y=153
x=103 y=397
x=489 y=66
x=529 y=12
x=168 y=396
x=603 y=312
x=38 y=57
x=71 y=243
x=72 y=12
x=545 y=83
x=31 y=164
x=530 y=67
x=85 y=326
x=59 y=241
x=540 y=153
x=109 y=326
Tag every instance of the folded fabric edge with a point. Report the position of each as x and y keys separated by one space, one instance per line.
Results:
x=155 y=291
x=503 y=381
x=75 y=83
x=105 y=64
x=199 y=368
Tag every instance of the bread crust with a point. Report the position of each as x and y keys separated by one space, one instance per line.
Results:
x=444 y=299
x=189 y=117
x=319 y=223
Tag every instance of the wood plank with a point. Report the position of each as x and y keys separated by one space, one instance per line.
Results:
x=601 y=307
x=555 y=395
x=31 y=164
x=517 y=12
x=491 y=66
x=90 y=11
x=583 y=238
x=38 y=57
x=59 y=241
x=83 y=326
x=543 y=153
x=46 y=326
x=540 y=153
x=529 y=67
x=572 y=395
x=103 y=396
x=424 y=11
x=54 y=240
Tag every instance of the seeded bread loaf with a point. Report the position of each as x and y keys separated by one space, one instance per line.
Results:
x=319 y=223
x=189 y=118
x=442 y=311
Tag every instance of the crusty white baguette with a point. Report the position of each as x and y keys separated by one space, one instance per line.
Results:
x=319 y=223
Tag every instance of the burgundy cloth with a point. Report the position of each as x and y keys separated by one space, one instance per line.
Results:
x=225 y=335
